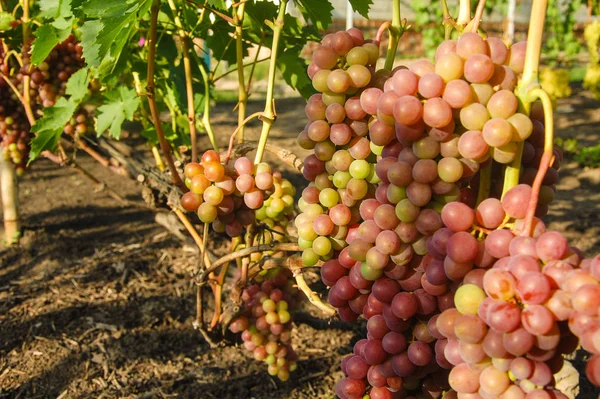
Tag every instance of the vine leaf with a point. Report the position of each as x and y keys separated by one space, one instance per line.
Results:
x=121 y=104
x=217 y=4
x=6 y=19
x=112 y=23
x=49 y=35
x=50 y=126
x=294 y=72
x=317 y=11
x=77 y=85
x=361 y=6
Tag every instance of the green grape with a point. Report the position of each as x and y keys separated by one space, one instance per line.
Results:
x=329 y=197
x=321 y=246
x=395 y=194
x=304 y=244
x=369 y=273
x=359 y=169
x=309 y=257
x=406 y=211
x=341 y=179
x=468 y=297
x=372 y=177
x=376 y=149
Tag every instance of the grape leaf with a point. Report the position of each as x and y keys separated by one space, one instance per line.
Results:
x=5 y=19
x=361 y=6
x=317 y=11
x=50 y=126
x=77 y=85
x=218 y=4
x=55 y=8
x=222 y=43
x=293 y=70
x=121 y=104
x=104 y=38
x=46 y=38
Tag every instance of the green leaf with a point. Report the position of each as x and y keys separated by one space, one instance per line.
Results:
x=45 y=140
x=55 y=9
x=222 y=43
x=103 y=39
x=361 y=6
x=218 y=4
x=50 y=126
x=46 y=38
x=293 y=69
x=77 y=85
x=5 y=19
x=121 y=104
x=317 y=11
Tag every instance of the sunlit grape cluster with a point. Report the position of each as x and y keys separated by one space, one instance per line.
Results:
x=231 y=198
x=265 y=324
x=396 y=212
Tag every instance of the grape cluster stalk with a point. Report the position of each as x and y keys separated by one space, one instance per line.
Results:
x=415 y=220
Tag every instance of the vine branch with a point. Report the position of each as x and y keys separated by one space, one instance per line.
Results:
x=150 y=94
x=269 y=112
x=189 y=90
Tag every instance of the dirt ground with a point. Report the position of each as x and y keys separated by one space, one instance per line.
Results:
x=97 y=301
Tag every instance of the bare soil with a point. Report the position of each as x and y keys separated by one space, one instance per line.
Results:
x=97 y=300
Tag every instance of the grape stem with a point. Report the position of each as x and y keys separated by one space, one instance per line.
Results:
x=236 y=131
x=274 y=246
x=199 y=285
x=382 y=28
x=478 y=14
x=187 y=68
x=193 y=232
x=217 y=287
x=464 y=12
x=529 y=82
x=512 y=172
x=485 y=181
x=164 y=145
x=296 y=266
x=286 y=156
x=396 y=30
x=253 y=63
x=544 y=162
x=448 y=21
x=205 y=122
x=238 y=18
x=269 y=112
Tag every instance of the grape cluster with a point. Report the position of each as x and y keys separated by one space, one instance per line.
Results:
x=510 y=327
x=392 y=211
x=265 y=324
x=231 y=198
x=14 y=128
x=47 y=83
x=80 y=123
x=49 y=79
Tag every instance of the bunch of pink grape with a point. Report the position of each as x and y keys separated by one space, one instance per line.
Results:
x=231 y=198
x=509 y=330
x=265 y=324
x=456 y=304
